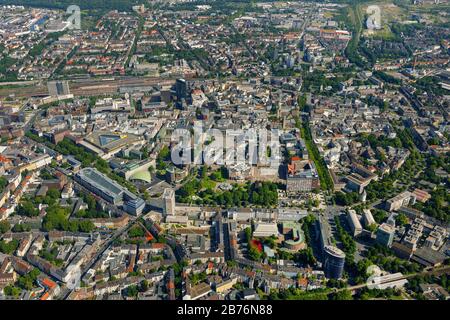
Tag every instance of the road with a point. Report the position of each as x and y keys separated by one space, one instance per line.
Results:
x=65 y=293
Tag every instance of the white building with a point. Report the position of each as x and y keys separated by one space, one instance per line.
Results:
x=354 y=223
x=368 y=218
x=265 y=230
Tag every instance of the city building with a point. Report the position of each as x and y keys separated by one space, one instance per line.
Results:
x=401 y=200
x=385 y=234
x=181 y=89
x=368 y=218
x=134 y=206
x=168 y=198
x=333 y=262
x=301 y=176
x=103 y=186
x=354 y=223
x=263 y=230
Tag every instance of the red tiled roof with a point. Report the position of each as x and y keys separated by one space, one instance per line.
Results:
x=49 y=283
x=158 y=245
x=45 y=296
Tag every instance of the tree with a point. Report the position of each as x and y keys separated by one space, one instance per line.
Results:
x=216 y=176
x=90 y=201
x=341 y=295
x=254 y=254
x=21 y=227
x=379 y=215
x=57 y=218
x=4 y=227
x=53 y=193
x=3 y=183
x=346 y=199
x=401 y=219
x=132 y=291
x=334 y=283
x=248 y=234
x=86 y=226
x=8 y=247
x=143 y=286
x=203 y=172
x=27 y=208
x=270 y=242
x=164 y=154
x=372 y=227
x=349 y=245
x=11 y=290
x=135 y=232
x=305 y=257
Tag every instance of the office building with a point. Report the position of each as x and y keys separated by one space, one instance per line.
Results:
x=168 y=198
x=102 y=186
x=301 y=176
x=333 y=262
x=385 y=234
x=181 y=89
x=354 y=223
x=368 y=218
x=135 y=206
x=401 y=200
x=325 y=232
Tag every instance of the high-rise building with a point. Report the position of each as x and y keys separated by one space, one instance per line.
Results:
x=58 y=88
x=168 y=198
x=333 y=262
x=181 y=89
x=385 y=234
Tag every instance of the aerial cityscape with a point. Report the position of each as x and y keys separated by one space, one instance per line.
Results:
x=224 y=150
